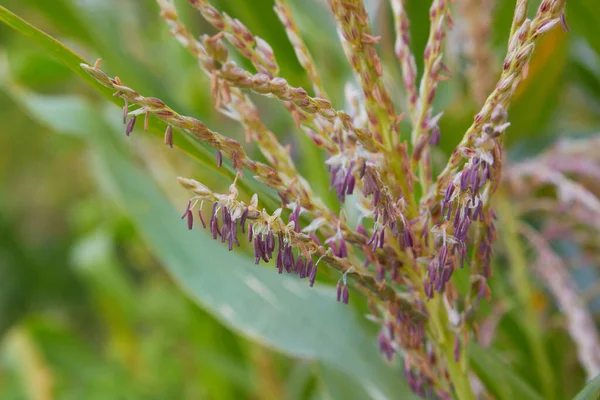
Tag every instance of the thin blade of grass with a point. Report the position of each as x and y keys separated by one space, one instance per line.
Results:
x=192 y=147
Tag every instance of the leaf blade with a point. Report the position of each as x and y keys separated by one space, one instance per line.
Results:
x=279 y=311
x=498 y=377
x=591 y=391
x=191 y=146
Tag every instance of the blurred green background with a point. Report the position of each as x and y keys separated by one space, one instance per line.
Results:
x=104 y=293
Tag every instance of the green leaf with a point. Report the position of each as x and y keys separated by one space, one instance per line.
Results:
x=537 y=97
x=583 y=17
x=498 y=377
x=278 y=311
x=191 y=146
x=335 y=385
x=63 y=14
x=418 y=14
x=591 y=391
x=53 y=47
x=261 y=19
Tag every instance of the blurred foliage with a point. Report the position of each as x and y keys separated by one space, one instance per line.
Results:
x=102 y=296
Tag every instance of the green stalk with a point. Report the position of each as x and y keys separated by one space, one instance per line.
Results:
x=520 y=275
x=458 y=376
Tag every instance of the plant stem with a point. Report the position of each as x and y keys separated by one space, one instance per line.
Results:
x=520 y=274
x=458 y=376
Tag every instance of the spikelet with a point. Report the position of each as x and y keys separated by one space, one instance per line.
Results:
x=414 y=232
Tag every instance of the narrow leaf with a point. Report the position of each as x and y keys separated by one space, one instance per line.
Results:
x=191 y=146
x=591 y=391
x=498 y=377
x=279 y=311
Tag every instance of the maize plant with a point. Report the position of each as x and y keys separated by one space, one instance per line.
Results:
x=414 y=233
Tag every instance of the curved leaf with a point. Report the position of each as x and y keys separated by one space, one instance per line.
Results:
x=191 y=146
x=279 y=311
x=336 y=386
x=591 y=391
x=498 y=377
